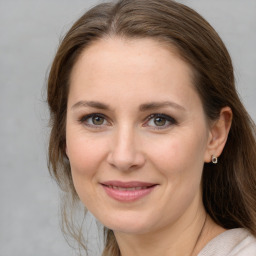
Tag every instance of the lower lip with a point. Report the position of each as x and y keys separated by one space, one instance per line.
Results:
x=128 y=195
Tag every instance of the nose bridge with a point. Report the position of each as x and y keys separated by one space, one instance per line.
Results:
x=125 y=151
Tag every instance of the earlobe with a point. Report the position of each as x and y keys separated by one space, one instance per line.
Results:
x=218 y=134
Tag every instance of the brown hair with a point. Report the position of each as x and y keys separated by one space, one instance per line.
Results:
x=229 y=188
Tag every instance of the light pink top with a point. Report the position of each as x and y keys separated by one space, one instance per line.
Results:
x=233 y=242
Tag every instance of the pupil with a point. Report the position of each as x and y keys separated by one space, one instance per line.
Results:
x=97 y=120
x=159 y=121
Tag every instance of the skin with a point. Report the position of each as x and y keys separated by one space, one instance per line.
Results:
x=126 y=143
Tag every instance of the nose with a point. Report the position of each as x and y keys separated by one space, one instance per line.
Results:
x=125 y=153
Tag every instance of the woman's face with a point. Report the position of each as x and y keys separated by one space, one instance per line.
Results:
x=136 y=135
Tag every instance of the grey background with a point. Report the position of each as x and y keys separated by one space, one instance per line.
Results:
x=29 y=35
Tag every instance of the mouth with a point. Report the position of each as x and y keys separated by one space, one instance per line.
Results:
x=127 y=191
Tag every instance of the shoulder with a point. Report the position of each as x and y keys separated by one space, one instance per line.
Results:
x=233 y=242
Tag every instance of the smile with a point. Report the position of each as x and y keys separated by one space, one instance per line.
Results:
x=127 y=191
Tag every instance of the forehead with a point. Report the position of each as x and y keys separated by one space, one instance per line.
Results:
x=128 y=66
x=134 y=53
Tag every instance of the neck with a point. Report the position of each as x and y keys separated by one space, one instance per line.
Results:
x=182 y=238
x=189 y=242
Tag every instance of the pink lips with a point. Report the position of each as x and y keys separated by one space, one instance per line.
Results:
x=127 y=191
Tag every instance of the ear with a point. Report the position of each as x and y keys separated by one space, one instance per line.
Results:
x=218 y=134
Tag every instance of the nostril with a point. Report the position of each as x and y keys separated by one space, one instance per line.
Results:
x=125 y=151
x=124 y=162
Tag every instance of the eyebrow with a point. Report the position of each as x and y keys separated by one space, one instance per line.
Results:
x=156 y=105
x=142 y=108
x=92 y=104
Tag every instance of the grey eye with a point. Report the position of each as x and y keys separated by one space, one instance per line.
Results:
x=94 y=120
x=159 y=121
x=97 y=120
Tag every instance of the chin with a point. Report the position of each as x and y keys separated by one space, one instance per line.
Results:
x=128 y=223
x=135 y=229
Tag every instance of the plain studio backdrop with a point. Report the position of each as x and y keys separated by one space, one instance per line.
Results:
x=29 y=34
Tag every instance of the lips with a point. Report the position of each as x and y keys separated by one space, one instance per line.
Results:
x=127 y=191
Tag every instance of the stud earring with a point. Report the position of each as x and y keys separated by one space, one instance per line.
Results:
x=214 y=159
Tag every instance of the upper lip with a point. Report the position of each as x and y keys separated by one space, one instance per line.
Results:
x=129 y=184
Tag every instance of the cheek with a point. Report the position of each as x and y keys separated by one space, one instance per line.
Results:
x=85 y=156
x=179 y=154
x=85 y=153
x=81 y=157
x=180 y=162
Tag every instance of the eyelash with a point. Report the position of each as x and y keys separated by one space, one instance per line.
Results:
x=171 y=121
x=84 y=120
x=166 y=118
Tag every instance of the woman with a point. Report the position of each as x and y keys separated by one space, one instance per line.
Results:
x=149 y=133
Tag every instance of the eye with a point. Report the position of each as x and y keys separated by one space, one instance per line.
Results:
x=94 y=120
x=160 y=121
